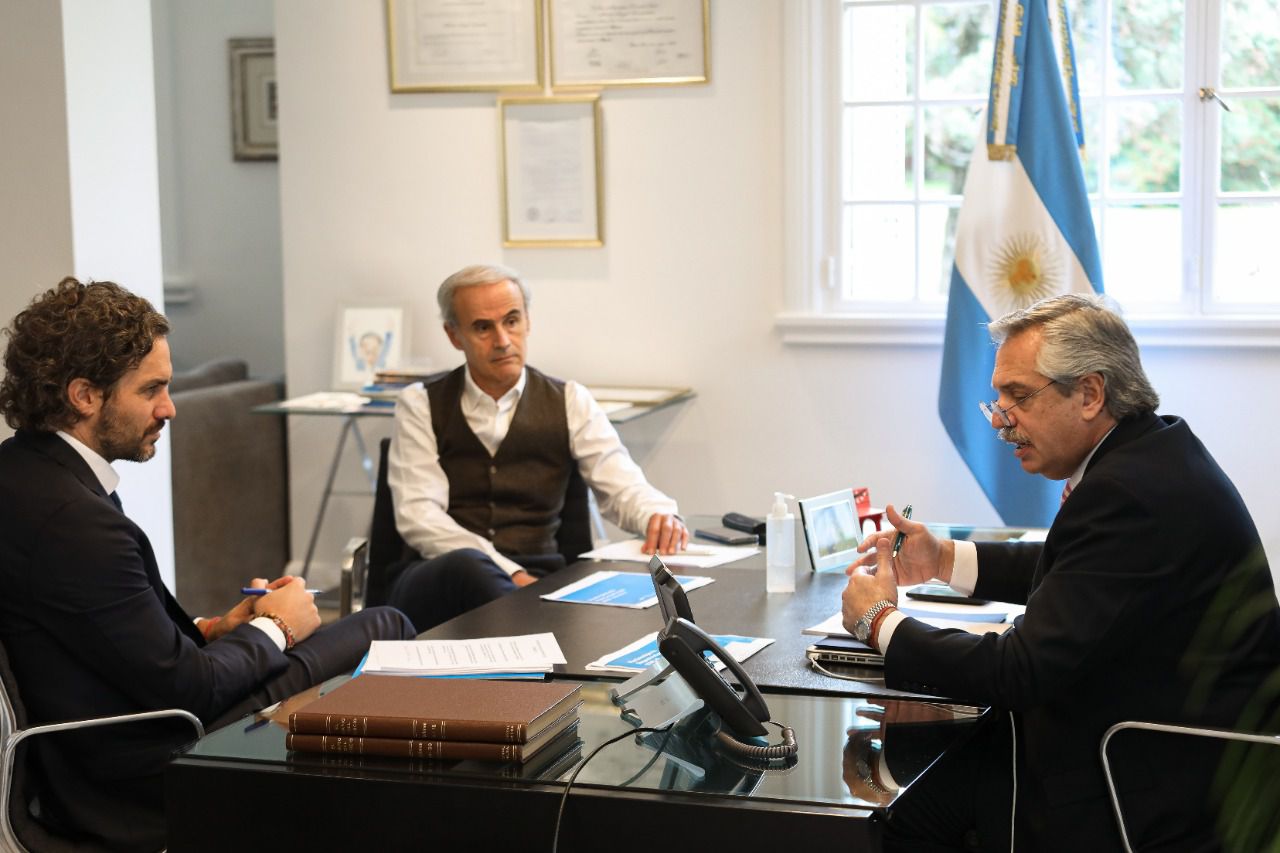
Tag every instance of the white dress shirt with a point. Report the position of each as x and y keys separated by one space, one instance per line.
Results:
x=110 y=479
x=421 y=490
x=964 y=571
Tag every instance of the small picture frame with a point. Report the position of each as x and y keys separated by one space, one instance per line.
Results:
x=369 y=339
x=254 y=99
x=551 y=172
x=831 y=529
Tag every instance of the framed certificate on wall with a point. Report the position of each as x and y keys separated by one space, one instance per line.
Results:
x=624 y=43
x=551 y=173
x=476 y=46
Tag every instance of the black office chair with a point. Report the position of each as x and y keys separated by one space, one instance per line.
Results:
x=366 y=562
x=19 y=830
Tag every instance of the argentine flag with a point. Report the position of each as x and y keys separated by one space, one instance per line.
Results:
x=1025 y=232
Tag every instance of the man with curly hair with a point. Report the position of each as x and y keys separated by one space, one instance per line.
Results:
x=89 y=627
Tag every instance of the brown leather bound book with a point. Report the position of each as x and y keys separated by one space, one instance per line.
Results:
x=461 y=709
x=432 y=749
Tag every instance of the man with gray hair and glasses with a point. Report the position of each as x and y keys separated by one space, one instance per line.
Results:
x=1150 y=599
x=481 y=458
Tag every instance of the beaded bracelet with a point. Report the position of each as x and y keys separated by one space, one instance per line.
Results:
x=283 y=626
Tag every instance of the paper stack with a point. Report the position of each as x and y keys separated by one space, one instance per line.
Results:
x=489 y=656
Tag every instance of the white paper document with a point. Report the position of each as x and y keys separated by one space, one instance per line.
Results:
x=638 y=656
x=338 y=401
x=526 y=653
x=619 y=589
x=693 y=557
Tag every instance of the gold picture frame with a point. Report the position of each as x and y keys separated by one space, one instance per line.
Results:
x=479 y=46
x=597 y=43
x=254 y=99
x=552 y=180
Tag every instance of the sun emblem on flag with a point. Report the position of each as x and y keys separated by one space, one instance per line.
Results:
x=1024 y=270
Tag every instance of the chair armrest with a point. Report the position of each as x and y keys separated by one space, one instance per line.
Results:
x=1167 y=728
x=354 y=568
x=11 y=748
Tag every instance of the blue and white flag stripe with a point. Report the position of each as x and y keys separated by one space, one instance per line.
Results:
x=1024 y=233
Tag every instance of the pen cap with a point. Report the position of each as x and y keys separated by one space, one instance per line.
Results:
x=780 y=505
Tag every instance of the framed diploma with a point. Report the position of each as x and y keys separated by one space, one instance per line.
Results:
x=624 y=43
x=551 y=193
x=476 y=46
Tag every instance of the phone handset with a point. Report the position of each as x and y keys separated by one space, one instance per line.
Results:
x=682 y=643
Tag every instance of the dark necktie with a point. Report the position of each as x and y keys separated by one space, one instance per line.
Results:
x=115 y=499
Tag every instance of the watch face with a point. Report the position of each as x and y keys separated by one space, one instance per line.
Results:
x=862 y=630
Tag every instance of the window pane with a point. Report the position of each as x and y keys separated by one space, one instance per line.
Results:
x=1086 y=34
x=879 y=247
x=1145 y=146
x=1143 y=258
x=1250 y=155
x=1146 y=44
x=880 y=52
x=1091 y=115
x=1246 y=266
x=957 y=49
x=937 y=250
x=877 y=152
x=949 y=137
x=1250 y=43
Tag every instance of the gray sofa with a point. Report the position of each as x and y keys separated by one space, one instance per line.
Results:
x=230 y=484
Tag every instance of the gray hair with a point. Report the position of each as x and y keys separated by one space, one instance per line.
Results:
x=1082 y=334
x=472 y=276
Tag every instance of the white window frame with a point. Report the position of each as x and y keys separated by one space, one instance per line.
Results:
x=812 y=105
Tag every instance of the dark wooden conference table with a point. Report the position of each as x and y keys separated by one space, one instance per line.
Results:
x=861 y=746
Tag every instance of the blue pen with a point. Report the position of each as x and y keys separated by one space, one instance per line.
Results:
x=253 y=590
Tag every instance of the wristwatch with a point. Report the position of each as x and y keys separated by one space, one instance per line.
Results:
x=862 y=628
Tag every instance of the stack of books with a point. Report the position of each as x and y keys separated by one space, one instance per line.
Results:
x=450 y=720
x=387 y=384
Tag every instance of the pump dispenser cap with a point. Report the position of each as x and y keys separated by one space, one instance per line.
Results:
x=780 y=505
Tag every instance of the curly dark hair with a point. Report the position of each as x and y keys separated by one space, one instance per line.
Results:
x=97 y=331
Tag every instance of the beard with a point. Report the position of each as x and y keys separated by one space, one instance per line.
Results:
x=117 y=439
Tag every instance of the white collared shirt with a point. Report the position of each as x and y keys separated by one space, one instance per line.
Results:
x=110 y=480
x=421 y=489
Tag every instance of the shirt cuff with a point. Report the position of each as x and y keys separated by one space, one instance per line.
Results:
x=964 y=571
x=887 y=626
x=269 y=627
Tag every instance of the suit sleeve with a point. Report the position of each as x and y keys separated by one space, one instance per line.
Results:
x=94 y=587
x=1106 y=571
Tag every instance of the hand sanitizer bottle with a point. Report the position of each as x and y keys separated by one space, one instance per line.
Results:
x=780 y=547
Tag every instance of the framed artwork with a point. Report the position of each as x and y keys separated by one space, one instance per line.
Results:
x=474 y=46
x=254 y=99
x=551 y=173
x=624 y=43
x=368 y=340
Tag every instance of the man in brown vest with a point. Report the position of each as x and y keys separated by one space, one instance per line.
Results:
x=480 y=460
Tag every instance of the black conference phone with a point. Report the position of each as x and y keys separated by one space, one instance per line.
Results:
x=685 y=646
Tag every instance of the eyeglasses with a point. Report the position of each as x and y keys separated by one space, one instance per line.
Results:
x=993 y=408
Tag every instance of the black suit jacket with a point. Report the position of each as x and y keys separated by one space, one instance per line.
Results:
x=91 y=630
x=1130 y=608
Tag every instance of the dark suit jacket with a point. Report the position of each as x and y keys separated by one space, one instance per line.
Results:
x=91 y=630
x=1133 y=606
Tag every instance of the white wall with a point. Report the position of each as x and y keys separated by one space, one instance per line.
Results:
x=221 y=218
x=115 y=207
x=35 y=188
x=382 y=196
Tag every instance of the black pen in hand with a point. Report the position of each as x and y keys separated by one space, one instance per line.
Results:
x=897 y=540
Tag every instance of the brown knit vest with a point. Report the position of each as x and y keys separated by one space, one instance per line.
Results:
x=514 y=497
